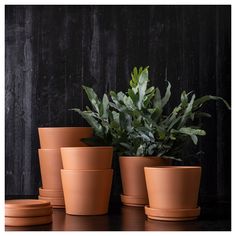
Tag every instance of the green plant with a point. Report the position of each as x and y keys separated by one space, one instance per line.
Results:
x=136 y=123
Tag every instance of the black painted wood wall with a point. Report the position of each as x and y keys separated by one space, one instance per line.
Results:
x=52 y=50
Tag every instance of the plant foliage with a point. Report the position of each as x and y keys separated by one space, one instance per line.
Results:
x=136 y=124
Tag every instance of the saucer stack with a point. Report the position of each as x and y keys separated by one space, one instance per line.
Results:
x=27 y=212
x=55 y=197
x=51 y=140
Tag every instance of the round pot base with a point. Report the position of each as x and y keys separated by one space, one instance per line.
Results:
x=87 y=213
x=172 y=214
x=133 y=201
x=51 y=193
x=58 y=206
x=133 y=205
x=54 y=201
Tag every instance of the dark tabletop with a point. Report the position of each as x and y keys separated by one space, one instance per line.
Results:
x=214 y=217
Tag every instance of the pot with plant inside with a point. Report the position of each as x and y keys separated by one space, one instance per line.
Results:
x=113 y=121
x=145 y=136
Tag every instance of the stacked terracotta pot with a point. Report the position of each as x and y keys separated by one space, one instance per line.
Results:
x=51 y=140
x=86 y=179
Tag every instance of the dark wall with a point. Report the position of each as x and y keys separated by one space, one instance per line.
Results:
x=52 y=50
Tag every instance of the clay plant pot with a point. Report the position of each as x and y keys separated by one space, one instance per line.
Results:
x=133 y=180
x=56 y=137
x=87 y=158
x=173 y=192
x=50 y=167
x=86 y=192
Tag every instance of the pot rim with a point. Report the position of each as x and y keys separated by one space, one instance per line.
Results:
x=65 y=127
x=49 y=190
x=49 y=149
x=88 y=147
x=142 y=157
x=75 y=171
x=172 y=167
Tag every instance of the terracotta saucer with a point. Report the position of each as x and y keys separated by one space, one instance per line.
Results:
x=50 y=193
x=28 y=211
x=58 y=206
x=27 y=221
x=133 y=201
x=26 y=203
x=53 y=201
x=172 y=214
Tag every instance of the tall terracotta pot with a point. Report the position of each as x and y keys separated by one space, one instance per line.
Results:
x=50 y=167
x=133 y=180
x=87 y=158
x=173 y=192
x=51 y=140
x=57 y=137
x=87 y=192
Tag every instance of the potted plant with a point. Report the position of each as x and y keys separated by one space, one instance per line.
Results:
x=141 y=131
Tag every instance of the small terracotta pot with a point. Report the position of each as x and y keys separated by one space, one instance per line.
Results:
x=56 y=137
x=87 y=158
x=173 y=189
x=86 y=192
x=132 y=176
x=50 y=167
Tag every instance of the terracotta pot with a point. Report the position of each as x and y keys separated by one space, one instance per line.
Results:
x=50 y=167
x=86 y=192
x=87 y=158
x=132 y=176
x=173 y=192
x=56 y=137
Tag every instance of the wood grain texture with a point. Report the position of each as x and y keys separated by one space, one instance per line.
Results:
x=52 y=50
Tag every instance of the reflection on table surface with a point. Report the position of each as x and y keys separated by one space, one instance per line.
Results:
x=133 y=219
